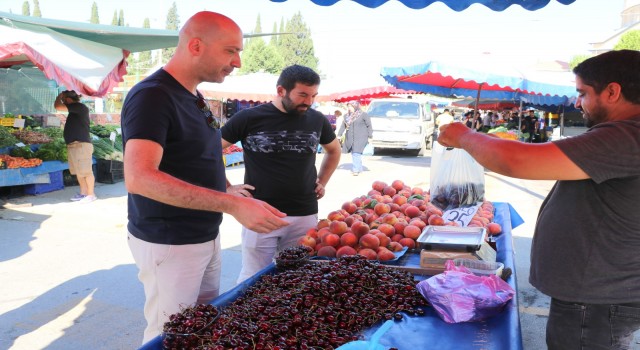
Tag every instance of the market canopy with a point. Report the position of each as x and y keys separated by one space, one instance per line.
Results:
x=456 y=5
x=484 y=77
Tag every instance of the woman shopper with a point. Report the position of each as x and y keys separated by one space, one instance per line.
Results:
x=357 y=130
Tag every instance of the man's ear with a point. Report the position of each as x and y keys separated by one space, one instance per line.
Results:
x=613 y=92
x=281 y=91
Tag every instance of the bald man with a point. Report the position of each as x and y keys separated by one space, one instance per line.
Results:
x=175 y=175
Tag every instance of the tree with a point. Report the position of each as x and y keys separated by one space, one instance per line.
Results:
x=296 y=45
x=274 y=38
x=94 y=14
x=36 y=9
x=144 y=58
x=114 y=20
x=173 y=23
x=577 y=59
x=26 y=10
x=257 y=56
x=121 y=19
x=629 y=41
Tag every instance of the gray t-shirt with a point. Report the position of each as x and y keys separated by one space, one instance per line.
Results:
x=586 y=246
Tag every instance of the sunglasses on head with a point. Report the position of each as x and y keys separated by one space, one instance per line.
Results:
x=204 y=107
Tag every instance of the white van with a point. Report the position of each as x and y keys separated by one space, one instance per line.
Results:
x=401 y=123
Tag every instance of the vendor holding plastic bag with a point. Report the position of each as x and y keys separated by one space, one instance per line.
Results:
x=584 y=252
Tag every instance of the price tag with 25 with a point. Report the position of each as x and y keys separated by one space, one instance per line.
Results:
x=462 y=215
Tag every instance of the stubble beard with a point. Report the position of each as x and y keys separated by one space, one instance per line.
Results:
x=292 y=109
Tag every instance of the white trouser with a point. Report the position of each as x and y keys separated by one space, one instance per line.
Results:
x=258 y=249
x=174 y=277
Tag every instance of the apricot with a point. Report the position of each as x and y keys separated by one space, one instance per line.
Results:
x=345 y=250
x=412 y=231
x=327 y=251
x=349 y=239
x=369 y=241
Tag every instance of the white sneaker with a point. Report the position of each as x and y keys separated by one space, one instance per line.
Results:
x=77 y=197
x=88 y=199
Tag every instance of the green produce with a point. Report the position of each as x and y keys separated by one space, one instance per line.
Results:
x=24 y=152
x=55 y=150
x=103 y=149
x=6 y=137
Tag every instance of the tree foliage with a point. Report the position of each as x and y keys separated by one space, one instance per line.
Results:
x=144 y=58
x=577 y=59
x=95 y=19
x=260 y=57
x=296 y=45
x=121 y=19
x=629 y=41
x=173 y=23
x=26 y=9
x=114 y=20
x=36 y=9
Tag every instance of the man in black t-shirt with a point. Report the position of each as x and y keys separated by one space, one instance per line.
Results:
x=175 y=175
x=79 y=146
x=280 y=142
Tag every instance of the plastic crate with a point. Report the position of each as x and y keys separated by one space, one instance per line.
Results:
x=109 y=165
x=109 y=171
x=55 y=184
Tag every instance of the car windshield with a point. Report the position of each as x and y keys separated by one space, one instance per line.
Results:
x=389 y=109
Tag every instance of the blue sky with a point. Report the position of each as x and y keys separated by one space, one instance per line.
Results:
x=352 y=39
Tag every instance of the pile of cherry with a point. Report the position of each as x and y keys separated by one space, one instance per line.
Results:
x=320 y=305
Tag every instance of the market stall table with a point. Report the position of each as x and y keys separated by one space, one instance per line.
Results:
x=429 y=331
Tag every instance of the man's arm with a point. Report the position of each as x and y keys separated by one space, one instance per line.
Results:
x=329 y=164
x=143 y=177
x=242 y=189
x=543 y=161
x=59 y=105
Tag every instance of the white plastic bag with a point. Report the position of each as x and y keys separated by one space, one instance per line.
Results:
x=456 y=178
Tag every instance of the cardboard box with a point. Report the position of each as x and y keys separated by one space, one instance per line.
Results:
x=435 y=259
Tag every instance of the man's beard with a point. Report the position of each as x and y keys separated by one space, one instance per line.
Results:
x=292 y=109
x=595 y=116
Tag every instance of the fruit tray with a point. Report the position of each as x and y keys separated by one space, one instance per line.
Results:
x=452 y=237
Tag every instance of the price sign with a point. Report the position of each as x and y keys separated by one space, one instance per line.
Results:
x=20 y=144
x=112 y=136
x=462 y=215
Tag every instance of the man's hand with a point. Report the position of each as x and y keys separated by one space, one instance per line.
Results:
x=451 y=134
x=319 y=189
x=241 y=190
x=258 y=216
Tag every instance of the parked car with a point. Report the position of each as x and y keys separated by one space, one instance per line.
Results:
x=400 y=123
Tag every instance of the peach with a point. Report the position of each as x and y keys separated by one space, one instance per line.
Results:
x=389 y=191
x=323 y=232
x=381 y=208
x=387 y=230
x=308 y=241
x=345 y=250
x=405 y=193
x=358 y=201
x=384 y=239
x=412 y=231
x=393 y=207
x=335 y=215
x=338 y=227
x=349 y=239
x=369 y=241
x=312 y=232
x=327 y=251
x=408 y=242
x=388 y=219
x=416 y=202
x=418 y=222
x=368 y=253
x=370 y=218
x=349 y=207
x=331 y=239
x=494 y=228
x=399 y=226
x=359 y=228
x=395 y=247
x=399 y=199
x=397 y=237
x=398 y=185
x=349 y=220
x=385 y=255
x=436 y=220
x=412 y=211
x=378 y=186
x=323 y=223
x=417 y=190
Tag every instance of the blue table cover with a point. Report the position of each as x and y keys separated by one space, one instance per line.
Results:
x=501 y=332
x=35 y=175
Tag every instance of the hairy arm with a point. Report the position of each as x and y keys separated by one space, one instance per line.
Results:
x=543 y=161
x=143 y=177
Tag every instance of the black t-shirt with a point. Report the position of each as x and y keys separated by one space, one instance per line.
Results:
x=161 y=110
x=76 y=128
x=280 y=154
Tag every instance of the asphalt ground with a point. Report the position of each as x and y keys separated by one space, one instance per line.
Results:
x=68 y=281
